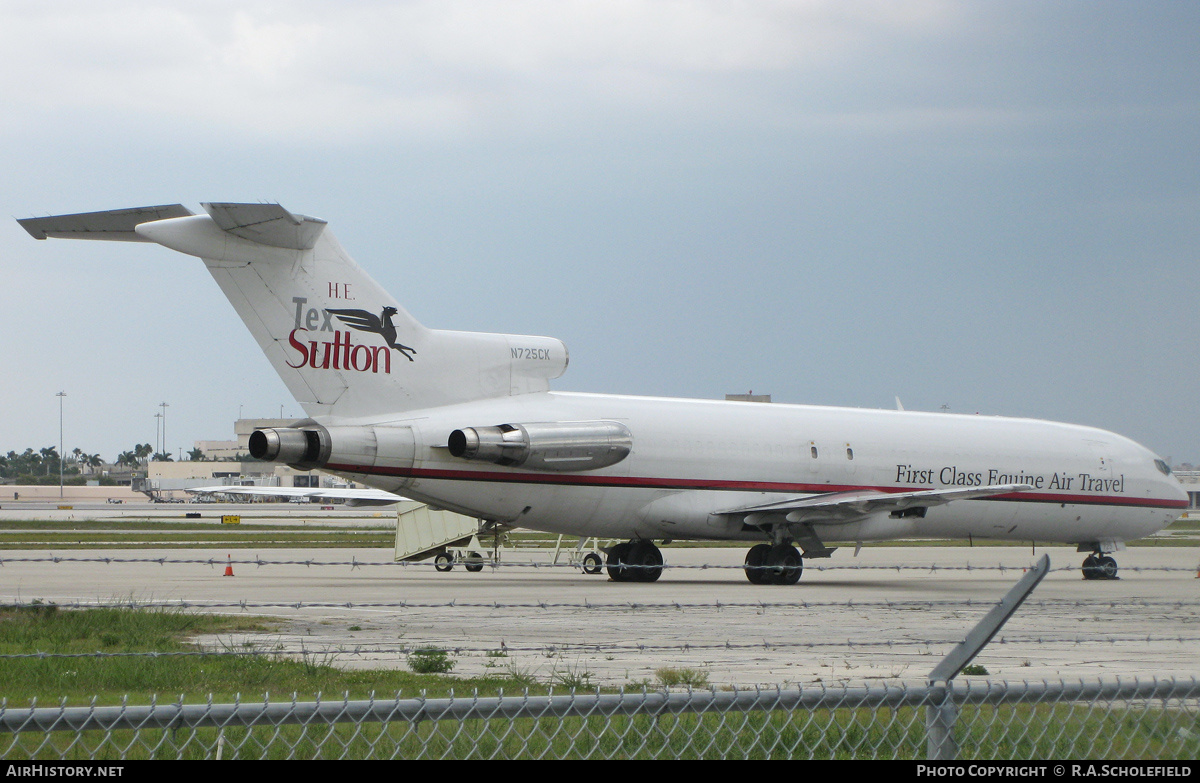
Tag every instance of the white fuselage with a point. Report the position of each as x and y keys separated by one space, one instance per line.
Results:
x=692 y=459
x=384 y=394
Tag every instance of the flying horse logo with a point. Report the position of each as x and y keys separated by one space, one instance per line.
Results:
x=379 y=324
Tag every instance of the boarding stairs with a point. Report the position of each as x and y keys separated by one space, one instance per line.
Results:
x=449 y=538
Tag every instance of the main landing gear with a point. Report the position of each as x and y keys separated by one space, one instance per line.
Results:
x=766 y=564
x=1099 y=566
x=635 y=561
x=774 y=564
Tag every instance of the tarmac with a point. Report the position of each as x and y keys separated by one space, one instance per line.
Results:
x=891 y=613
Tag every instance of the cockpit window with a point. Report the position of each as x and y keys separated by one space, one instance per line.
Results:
x=1163 y=467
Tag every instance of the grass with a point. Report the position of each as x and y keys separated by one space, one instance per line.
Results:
x=682 y=677
x=430 y=660
x=187 y=535
x=986 y=732
x=96 y=634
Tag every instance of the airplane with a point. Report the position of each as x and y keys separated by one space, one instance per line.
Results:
x=468 y=422
x=352 y=496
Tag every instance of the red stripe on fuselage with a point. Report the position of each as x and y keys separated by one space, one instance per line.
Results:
x=646 y=482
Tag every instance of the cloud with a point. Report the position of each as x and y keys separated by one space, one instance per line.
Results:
x=847 y=180
x=348 y=71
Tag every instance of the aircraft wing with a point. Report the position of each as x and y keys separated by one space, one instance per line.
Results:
x=352 y=496
x=851 y=506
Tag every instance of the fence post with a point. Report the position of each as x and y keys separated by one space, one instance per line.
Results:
x=941 y=714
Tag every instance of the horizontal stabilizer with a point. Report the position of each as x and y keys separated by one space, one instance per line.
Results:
x=267 y=224
x=114 y=224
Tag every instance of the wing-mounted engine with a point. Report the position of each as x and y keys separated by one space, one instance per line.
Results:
x=310 y=445
x=560 y=446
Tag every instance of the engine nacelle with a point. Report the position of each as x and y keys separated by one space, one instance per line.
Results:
x=313 y=446
x=304 y=448
x=560 y=446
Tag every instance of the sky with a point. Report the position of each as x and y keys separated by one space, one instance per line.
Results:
x=986 y=207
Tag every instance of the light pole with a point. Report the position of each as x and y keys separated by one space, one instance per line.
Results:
x=157 y=432
x=60 y=396
x=164 y=406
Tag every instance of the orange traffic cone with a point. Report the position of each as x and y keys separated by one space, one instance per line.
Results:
x=229 y=566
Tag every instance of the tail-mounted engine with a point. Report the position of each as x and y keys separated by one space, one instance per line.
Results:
x=557 y=446
x=313 y=446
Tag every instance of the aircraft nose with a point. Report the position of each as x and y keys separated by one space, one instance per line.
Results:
x=1166 y=484
x=1176 y=491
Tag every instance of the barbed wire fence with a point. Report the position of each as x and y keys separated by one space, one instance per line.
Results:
x=1145 y=717
x=425 y=565
x=604 y=652
x=501 y=621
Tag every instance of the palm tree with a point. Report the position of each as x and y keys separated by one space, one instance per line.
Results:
x=142 y=451
x=25 y=463
x=49 y=457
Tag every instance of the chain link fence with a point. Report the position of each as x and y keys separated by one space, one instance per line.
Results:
x=937 y=717
x=976 y=719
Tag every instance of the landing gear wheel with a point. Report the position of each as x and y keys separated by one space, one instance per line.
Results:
x=474 y=562
x=1099 y=567
x=786 y=564
x=1091 y=570
x=592 y=564
x=780 y=564
x=635 y=561
x=1108 y=567
x=756 y=561
x=443 y=562
x=618 y=562
x=646 y=561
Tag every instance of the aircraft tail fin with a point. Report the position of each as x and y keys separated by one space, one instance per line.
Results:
x=342 y=345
